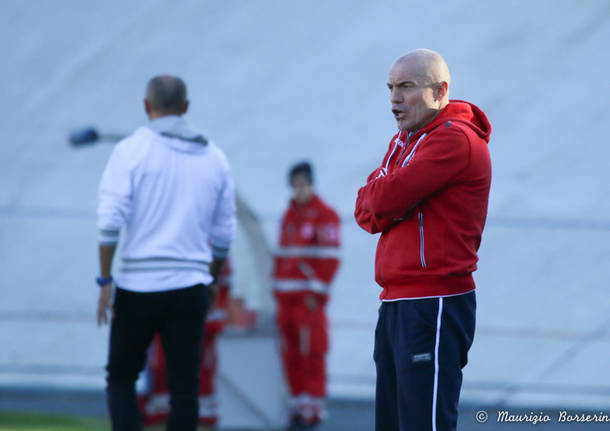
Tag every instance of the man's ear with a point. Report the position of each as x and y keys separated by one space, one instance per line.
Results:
x=185 y=108
x=147 y=107
x=441 y=90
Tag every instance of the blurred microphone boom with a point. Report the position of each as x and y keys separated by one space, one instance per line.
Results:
x=90 y=135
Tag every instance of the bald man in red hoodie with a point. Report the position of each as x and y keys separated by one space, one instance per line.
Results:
x=428 y=199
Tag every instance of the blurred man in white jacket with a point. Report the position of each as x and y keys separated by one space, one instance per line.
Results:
x=170 y=190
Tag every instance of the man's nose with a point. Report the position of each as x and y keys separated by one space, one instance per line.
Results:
x=395 y=96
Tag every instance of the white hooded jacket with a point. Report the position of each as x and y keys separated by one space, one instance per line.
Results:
x=171 y=191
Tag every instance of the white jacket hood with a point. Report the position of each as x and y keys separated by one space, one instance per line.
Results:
x=182 y=136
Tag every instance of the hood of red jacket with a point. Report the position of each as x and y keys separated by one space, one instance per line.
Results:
x=466 y=113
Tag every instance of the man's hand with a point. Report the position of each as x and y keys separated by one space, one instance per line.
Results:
x=215 y=270
x=103 y=304
x=212 y=295
x=106 y=253
x=311 y=301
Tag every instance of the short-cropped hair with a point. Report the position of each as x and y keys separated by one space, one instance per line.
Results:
x=166 y=94
x=301 y=168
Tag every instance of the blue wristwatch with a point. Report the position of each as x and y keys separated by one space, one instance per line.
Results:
x=102 y=281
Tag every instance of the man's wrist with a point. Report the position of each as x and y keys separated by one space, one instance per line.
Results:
x=103 y=281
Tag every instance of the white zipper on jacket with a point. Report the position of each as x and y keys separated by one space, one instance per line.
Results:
x=420 y=216
x=412 y=153
x=387 y=162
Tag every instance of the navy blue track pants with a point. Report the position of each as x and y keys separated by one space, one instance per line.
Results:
x=421 y=346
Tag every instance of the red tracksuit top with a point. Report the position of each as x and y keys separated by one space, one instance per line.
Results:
x=429 y=199
x=308 y=254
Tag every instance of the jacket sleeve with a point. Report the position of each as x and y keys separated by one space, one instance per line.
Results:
x=370 y=222
x=364 y=217
x=329 y=241
x=115 y=194
x=438 y=160
x=224 y=221
x=277 y=258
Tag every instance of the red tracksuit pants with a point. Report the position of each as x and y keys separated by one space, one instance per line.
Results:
x=304 y=341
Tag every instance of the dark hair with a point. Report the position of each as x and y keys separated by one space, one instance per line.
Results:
x=166 y=94
x=301 y=168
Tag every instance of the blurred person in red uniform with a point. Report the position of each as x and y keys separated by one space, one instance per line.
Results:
x=154 y=402
x=305 y=265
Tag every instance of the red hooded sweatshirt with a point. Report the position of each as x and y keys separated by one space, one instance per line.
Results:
x=429 y=199
x=308 y=257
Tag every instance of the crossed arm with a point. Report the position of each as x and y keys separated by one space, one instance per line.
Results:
x=387 y=199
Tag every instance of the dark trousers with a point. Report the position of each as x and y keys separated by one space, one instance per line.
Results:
x=421 y=346
x=178 y=316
